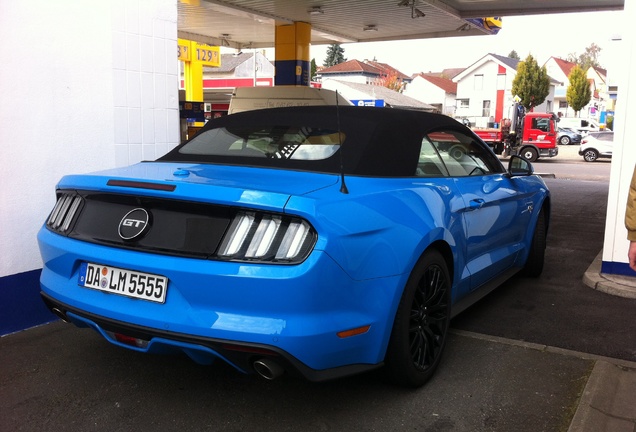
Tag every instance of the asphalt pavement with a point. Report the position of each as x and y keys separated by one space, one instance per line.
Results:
x=555 y=353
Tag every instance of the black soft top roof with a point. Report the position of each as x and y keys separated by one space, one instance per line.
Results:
x=381 y=142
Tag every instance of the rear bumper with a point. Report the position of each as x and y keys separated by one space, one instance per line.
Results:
x=241 y=356
x=293 y=311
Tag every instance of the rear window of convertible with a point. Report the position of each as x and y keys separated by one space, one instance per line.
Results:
x=279 y=142
x=351 y=140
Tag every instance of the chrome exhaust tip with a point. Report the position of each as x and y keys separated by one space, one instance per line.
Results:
x=60 y=314
x=268 y=369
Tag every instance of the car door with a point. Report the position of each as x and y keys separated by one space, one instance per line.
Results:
x=538 y=128
x=496 y=208
x=605 y=142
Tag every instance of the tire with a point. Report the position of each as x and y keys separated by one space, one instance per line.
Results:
x=590 y=155
x=565 y=140
x=421 y=323
x=457 y=152
x=536 y=256
x=529 y=153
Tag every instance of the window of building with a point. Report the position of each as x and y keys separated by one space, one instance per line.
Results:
x=485 y=109
x=479 y=82
x=463 y=103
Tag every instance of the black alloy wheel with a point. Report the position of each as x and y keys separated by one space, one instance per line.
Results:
x=421 y=324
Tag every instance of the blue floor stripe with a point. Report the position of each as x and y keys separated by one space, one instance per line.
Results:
x=20 y=304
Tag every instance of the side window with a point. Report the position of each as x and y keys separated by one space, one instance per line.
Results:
x=430 y=163
x=460 y=155
x=542 y=124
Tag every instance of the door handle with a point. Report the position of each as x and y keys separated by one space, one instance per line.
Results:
x=476 y=204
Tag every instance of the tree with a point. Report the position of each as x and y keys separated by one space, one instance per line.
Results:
x=578 y=93
x=513 y=55
x=335 y=55
x=391 y=81
x=313 y=69
x=532 y=83
x=588 y=59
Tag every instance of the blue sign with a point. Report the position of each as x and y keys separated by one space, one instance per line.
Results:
x=368 y=102
x=192 y=110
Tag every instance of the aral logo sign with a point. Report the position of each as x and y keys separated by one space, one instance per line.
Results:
x=368 y=102
x=134 y=224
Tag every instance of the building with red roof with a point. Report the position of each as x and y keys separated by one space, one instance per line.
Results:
x=435 y=90
x=597 y=77
x=363 y=72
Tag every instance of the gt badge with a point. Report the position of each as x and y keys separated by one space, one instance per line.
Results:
x=134 y=224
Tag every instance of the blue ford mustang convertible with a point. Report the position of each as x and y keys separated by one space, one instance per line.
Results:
x=319 y=241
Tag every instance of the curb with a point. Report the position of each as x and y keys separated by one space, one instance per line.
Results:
x=608 y=402
x=622 y=286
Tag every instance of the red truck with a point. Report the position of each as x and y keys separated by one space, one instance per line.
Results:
x=531 y=135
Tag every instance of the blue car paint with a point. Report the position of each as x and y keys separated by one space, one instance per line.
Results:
x=493 y=215
x=291 y=308
x=248 y=190
x=354 y=276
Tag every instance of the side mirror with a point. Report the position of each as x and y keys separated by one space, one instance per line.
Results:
x=519 y=166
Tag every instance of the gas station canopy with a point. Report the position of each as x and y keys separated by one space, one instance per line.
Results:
x=251 y=23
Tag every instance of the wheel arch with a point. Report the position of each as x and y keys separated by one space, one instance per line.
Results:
x=547 y=206
x=399 y=367
x=447 y=253
x=440 y=245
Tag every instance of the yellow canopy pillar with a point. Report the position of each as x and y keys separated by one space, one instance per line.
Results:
x=193 y=77
x=194 y=56
x=292 y=54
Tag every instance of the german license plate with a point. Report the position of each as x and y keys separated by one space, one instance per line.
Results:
x=128 y=283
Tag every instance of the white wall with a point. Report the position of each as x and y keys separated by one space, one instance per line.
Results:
x=425 y=91
x=622 y=62
x=488 y=91
x=548 y=103
x=84 y=85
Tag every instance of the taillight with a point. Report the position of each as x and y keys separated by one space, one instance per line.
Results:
x=64 y=212
x=264 y=237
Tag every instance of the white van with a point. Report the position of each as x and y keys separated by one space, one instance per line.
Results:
x=581 y=125
x=251 y=98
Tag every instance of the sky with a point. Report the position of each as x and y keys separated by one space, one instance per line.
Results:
x=543 y=36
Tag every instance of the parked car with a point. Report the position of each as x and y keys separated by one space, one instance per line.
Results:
x=567 y=136
x=597 y=145
x=580 y=125
x=321 y=241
